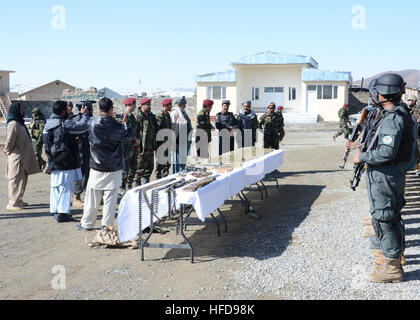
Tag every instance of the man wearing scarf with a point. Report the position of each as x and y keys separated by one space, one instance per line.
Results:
x=37 y=127
x=21 y=160
x=248 y=123
x=181 y=125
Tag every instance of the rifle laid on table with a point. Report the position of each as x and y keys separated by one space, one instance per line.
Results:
x=356 y=133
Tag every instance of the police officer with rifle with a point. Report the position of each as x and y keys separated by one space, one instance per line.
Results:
x=386 y=150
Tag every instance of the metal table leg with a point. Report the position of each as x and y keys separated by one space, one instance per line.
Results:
x=216 y=223
x=181 y=225
x=224 y=219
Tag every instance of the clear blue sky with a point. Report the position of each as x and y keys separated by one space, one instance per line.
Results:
x=167 y=42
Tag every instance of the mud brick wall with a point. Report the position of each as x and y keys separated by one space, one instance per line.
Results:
x=47 y=107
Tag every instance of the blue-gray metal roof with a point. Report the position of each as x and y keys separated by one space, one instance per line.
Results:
x=311 y=75
x=228 y=76
x=269 y=57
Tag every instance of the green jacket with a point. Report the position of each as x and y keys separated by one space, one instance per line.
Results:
x=146 y=130
x=343 y=114
x=204 y=123
x=37 y=127
x=163 y=121
x=272 y=124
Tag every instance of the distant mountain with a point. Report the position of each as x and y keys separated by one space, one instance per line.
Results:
x=412 y=77
x=110 y=93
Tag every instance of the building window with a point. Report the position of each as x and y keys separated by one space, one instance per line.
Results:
x=292 y=93
x=327 y=92
x=273 y=89
x=216 y=92
x=255 y=94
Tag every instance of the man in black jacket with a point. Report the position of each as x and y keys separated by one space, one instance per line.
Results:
x=62 y=151
x=226 y=123
x=106 y=137
x=84 y=152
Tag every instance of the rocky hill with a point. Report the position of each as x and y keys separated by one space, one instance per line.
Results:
x=411 y=76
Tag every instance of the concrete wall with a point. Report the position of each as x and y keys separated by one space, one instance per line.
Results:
x=261 y=76
x=51 y=92
x=4 y=83
x=230 y=95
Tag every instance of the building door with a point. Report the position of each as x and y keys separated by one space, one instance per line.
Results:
x=311 y=100
x=274 y=94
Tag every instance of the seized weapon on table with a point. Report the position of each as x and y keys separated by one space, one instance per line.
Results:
x=356 y=133
x=195 y=169
x=171 y=191
x=360 y=168
x=200 y=184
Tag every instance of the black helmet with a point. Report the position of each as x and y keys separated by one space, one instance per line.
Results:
x=70 y=104
x=389 y=84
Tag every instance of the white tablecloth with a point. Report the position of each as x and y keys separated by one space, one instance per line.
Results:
x=205 y=200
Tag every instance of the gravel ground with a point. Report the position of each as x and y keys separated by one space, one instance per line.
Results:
x=327 y=257
x=307 y=243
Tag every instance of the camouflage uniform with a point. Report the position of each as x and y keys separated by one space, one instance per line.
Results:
x=282 y=132
x=415 y=111
x=147 y=129
x=131 y=153
x=36 y=128
x=343 y=114
x=204 y=123
x=273 y=126
x=163 y=121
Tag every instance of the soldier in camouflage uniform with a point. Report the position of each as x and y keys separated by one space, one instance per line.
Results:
x=415 y=112
x=163 y=121
x=131 y=149
x=345 y=129
x=272 y=124
x=282 y=132
x=37 y=127
x=204 y=123
x=147 y=129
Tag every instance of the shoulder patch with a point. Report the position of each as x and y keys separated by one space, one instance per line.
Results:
x=387 y=140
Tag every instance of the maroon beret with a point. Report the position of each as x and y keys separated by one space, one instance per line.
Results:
x=166 y=102
x=145 y=101
x=208 y=103
x=129 y=101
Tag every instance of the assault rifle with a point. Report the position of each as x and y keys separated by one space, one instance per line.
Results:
x=357 y=131
x=360 y=168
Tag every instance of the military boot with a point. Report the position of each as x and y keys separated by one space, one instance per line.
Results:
x=380 y=258
x=77 y=202
x=368 y=232
x=389 y=271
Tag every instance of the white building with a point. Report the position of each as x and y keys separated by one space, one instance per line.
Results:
x=292 y=81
